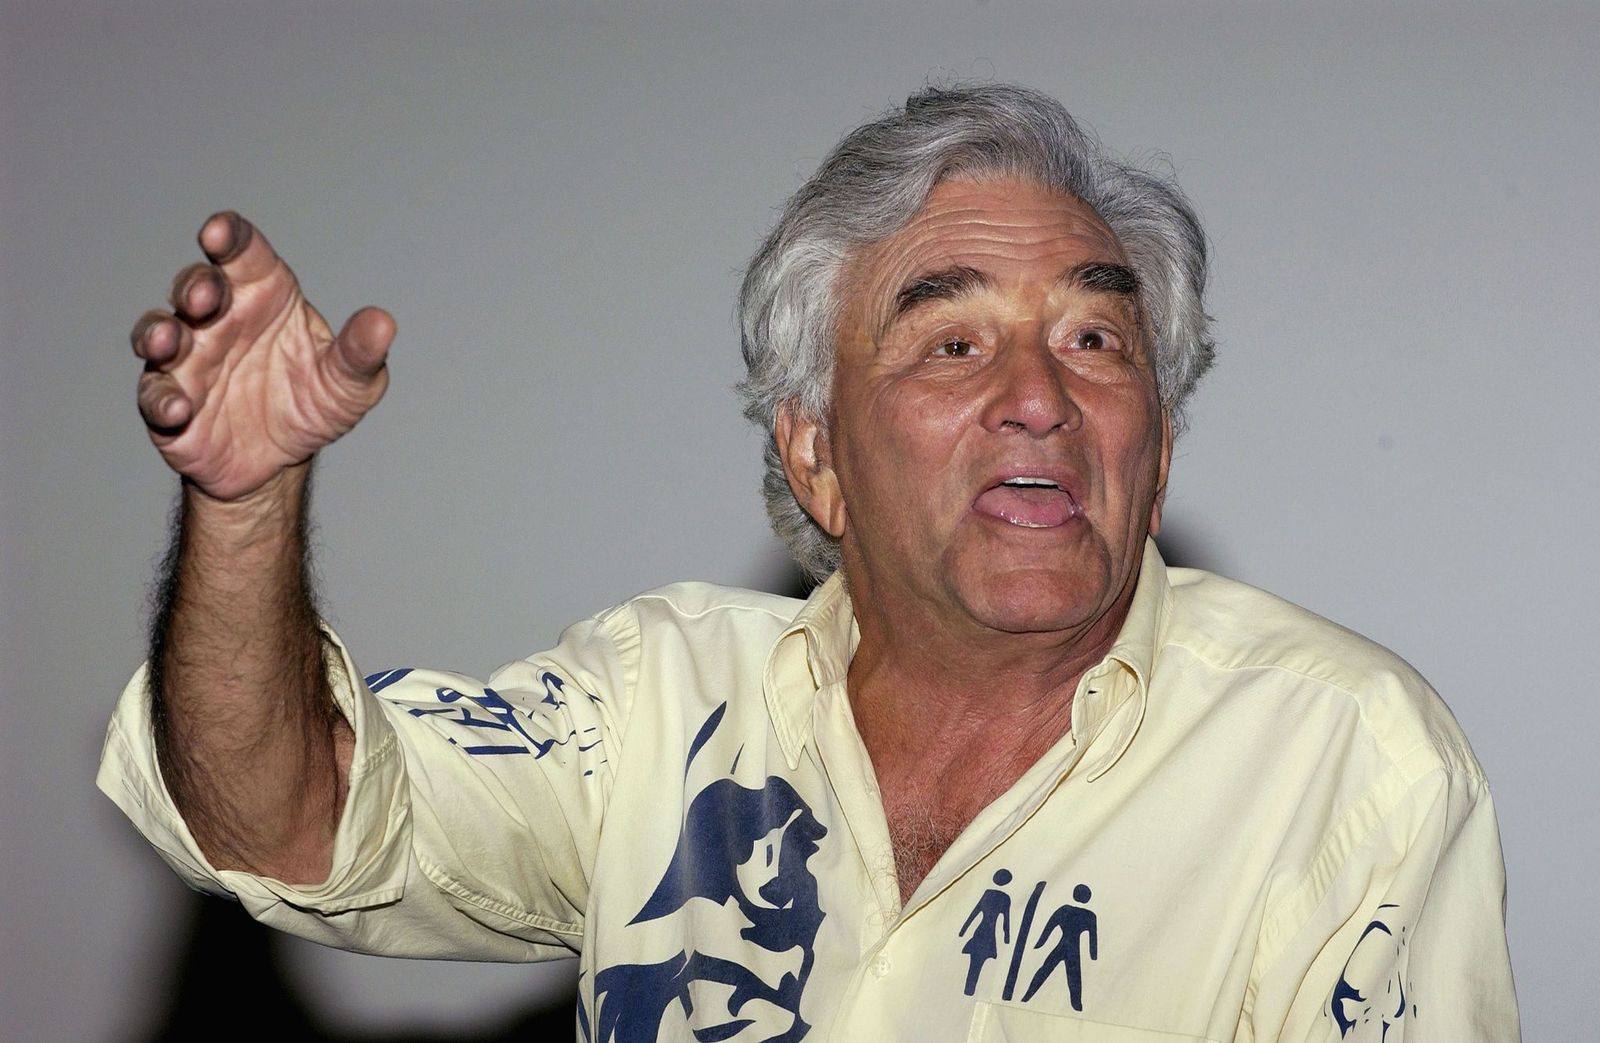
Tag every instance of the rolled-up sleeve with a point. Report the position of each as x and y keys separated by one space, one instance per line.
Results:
x=473 y=808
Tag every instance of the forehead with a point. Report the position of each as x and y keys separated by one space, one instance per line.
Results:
x=1008 y=228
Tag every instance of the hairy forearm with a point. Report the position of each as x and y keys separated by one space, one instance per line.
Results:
x=251 y=747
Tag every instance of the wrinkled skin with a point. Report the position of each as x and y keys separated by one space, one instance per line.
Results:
x=1021 y=374
x=243 y=378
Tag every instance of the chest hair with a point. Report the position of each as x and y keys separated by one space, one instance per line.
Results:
x=924 y=821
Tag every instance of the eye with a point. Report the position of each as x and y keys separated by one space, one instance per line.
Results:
x=1092 y=340
x=954 y=348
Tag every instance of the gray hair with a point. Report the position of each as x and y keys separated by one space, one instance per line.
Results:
x=875 y=181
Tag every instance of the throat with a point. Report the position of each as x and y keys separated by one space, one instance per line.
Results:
x=938 y=766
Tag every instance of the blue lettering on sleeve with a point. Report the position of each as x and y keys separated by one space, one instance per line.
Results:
x=496 y=715
x=553 y=687
x=490 y=712
x=384 y=678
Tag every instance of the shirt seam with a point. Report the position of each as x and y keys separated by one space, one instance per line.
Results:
x=700 y=614
x=626 y=638
x=1459 y=752
x=1272 y=936
x=150 y=794
x=448 y=884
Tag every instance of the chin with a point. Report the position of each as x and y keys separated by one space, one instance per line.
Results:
x=1032 y=601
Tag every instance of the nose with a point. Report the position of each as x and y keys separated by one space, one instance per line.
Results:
x=1030 y=391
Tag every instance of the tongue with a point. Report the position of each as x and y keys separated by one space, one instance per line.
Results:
x=1034 y=506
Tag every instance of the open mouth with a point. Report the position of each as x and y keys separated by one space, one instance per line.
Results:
x=1028 y=501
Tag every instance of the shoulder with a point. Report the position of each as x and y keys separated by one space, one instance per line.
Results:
x=672 y=649
x=704 y=615
x=1241 y=633
x=686 y=603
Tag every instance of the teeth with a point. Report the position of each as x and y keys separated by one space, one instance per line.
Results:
x=1044 y=482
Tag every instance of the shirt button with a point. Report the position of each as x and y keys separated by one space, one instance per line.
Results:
x=882 y=966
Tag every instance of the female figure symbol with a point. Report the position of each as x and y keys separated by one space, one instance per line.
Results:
x=992 y=913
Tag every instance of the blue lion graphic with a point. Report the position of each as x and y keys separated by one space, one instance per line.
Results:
x=747 y=847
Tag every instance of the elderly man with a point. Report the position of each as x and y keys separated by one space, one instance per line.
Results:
x=1003 y=776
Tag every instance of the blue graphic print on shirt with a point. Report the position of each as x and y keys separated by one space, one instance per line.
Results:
x=517 y=732
x=738 y=882
x=994 y=908
x=1067 y=928
x=1074 y=922
x=1370 y=997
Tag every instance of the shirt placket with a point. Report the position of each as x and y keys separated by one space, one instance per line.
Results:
x=867 y=1007
x=870 y=1007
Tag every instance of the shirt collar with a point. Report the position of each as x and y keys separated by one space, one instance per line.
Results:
x=814 y=652
x=1113 y=696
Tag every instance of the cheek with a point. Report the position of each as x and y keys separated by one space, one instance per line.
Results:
x=1132 y=445
x=902 y=436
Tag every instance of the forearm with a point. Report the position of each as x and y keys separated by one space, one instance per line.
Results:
x=251 y=747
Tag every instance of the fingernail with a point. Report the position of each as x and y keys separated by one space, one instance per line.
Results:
x=238 y=236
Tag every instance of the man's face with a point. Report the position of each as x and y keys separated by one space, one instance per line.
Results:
x=997 y=450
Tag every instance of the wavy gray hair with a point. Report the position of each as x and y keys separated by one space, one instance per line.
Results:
x=871 y=186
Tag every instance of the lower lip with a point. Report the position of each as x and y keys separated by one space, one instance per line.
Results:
x=1032 y=507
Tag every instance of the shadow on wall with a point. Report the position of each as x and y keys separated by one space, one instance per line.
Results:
x=231 y=973
x=1186 y=547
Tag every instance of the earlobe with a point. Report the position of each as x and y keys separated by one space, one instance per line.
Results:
x=808 y=464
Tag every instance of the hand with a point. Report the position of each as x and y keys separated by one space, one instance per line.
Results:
x=244 y=378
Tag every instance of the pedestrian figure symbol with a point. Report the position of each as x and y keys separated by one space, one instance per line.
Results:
x=1073 y=922
x=992 y=914
x=990 y=925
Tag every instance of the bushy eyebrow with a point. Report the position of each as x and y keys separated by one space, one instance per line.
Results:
x=944 y=285
x=959 y=280
x=1102 y=277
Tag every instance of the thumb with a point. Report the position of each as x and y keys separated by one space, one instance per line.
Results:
x=362 y=347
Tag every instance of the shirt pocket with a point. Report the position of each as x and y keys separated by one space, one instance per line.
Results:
x=1002 y=1023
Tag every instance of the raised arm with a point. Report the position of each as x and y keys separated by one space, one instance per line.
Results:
x=244 y=382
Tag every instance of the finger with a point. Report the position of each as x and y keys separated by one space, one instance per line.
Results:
x=362 y=347
x=234 y=245
x=159 y=337
x=224 y=236
x=200 y=294
x=162 y=403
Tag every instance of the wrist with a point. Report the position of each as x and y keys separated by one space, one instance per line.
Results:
x=269 y=512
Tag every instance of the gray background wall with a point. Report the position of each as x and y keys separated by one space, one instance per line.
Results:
x=556 y=201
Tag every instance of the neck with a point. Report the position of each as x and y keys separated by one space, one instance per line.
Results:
x=921 y=690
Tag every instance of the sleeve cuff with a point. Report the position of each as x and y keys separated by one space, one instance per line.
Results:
x=372 y=845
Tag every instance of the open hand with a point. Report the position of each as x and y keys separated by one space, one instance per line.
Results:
x=244 y=378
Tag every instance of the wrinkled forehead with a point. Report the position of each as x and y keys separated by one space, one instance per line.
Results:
x=1011 y=229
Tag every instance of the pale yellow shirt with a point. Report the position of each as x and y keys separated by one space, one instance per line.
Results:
x=1261 y=827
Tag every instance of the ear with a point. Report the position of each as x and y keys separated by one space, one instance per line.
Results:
x=808 y=464
x=1161 y=473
